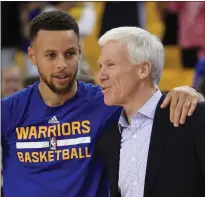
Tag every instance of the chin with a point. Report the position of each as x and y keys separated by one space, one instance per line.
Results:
x=108 y=102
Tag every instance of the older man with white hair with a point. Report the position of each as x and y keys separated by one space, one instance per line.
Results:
x=154 y=158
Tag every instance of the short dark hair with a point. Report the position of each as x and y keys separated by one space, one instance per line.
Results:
x=52 y=20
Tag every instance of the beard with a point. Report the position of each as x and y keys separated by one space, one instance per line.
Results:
x=57 y=90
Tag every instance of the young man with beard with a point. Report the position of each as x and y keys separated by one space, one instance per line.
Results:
x=49 y=129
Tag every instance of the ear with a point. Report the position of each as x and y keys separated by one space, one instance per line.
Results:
x=31 y=55
x=145 y=70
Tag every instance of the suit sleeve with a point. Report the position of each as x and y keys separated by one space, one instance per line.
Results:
x=200 y=138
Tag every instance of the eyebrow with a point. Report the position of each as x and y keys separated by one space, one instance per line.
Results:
x=49 y=51
x=108 y=61
x=53 y=50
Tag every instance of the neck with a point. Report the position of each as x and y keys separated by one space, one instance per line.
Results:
x=53 y=99
x=138 y=99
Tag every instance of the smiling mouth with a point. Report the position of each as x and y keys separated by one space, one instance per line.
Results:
x=61 y=77
x=105 y=89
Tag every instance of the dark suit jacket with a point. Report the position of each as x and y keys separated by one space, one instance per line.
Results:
x=176 y=158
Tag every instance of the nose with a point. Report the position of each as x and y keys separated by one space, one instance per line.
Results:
x=62 y=64
x=102 y=75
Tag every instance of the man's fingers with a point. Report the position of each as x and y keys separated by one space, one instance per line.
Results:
x=193 y=106
x=178 y=109
x=166 y=101
x=185 y=110
x=174 y=100
x=183 y=102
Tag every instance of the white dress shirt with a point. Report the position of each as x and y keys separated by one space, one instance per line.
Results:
x=134 y=148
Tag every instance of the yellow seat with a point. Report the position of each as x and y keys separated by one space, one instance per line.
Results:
x=174 y=77
x=172 y=57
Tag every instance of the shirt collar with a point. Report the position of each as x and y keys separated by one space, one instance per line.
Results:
x=147 y=110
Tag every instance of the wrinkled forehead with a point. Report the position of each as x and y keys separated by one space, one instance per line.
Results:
x=113 y=51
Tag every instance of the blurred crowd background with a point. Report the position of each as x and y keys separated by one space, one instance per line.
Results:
x=180 y=26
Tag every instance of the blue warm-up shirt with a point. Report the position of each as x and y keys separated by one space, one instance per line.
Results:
x=48 y=151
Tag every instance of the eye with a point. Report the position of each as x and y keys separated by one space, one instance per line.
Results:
x=70 y=53
x=51 y=55
x=111 y=65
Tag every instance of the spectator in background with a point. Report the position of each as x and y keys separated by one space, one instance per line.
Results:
x=10 y=29
x=117 y=14
x=202 y=86
x=170 y=21
x=12 y=80
x=191 y=16
x=199 y=79
x=200 y=72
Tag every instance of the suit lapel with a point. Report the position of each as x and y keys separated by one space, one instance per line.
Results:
x=157 y=142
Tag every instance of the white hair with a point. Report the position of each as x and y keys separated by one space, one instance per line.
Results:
x=142 y=46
